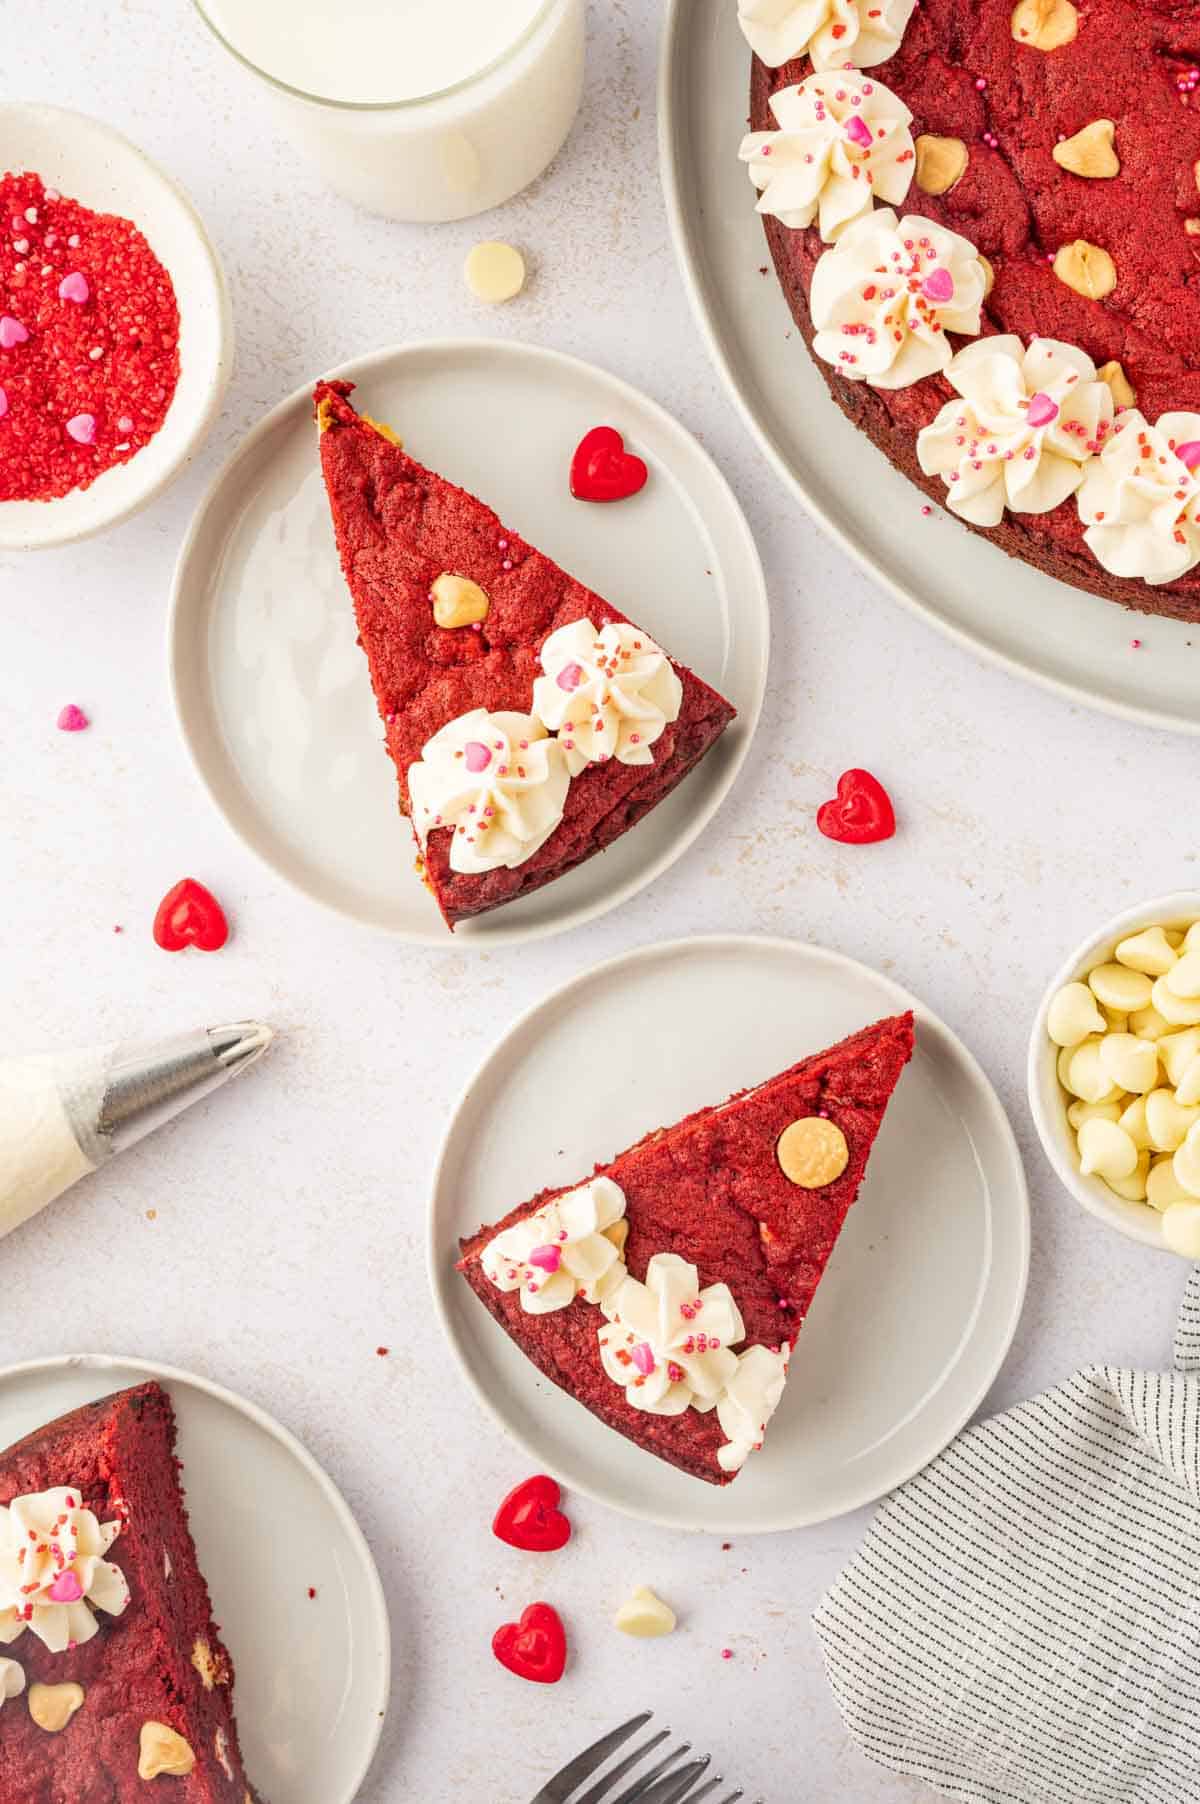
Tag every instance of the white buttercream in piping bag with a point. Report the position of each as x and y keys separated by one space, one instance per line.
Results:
x=497 y=781
x=1140 y=499
x=562 y=1251
x=886 y=295
x=843 y=143
x=52 y=1568
x=607 y=694
x=831 y=32
x=1027 y=421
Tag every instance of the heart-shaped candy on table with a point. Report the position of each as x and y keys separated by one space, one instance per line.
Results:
x=534 y=1648
x=862 y=812
x=603 y=470
x=190 y=915
x=530 y=1518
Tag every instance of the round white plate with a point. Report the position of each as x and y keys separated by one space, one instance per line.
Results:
x=97 y=166
x=920 y=1300
x=1075 y=643
x=267 y=1523
x=272 y=690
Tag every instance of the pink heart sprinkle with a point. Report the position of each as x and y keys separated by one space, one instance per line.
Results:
x=1041 y=410
x=74 y=288
x=1189 y=453
x=66 y=1589
x=858 y=129
x=938 y=285
x=643 y=1358
x=12 y=332
x=570 y=676
x=476 y=756
x=73 y=719
x=82 y=428
x=549 y=1258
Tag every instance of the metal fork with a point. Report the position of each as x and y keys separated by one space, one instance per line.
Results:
x=666 y=1782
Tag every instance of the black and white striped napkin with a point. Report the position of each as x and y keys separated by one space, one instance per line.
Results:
x=1022 y=1623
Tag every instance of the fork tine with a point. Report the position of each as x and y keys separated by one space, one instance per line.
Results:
x=637 y=1789
x=558 y=1789
x=706 y=1791
x=606 y=1782
x=675 y=1787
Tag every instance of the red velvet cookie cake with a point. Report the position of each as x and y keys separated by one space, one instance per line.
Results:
x=985 y=219
x=112 y=1671
x=530 y=723
x=666 y=1292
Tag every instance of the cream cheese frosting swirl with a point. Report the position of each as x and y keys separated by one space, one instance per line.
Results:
x=843 y=142
x=1140 y=499
x=750 y=1399
x=1027 y=422
x=562 y=1251
x=667 y=1342
x=607 y=694
x=831 y=32
x=497 y=781
x=885 y=296
x=52 y=1568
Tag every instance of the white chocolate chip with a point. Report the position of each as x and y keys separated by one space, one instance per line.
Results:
x=1079 y=1112
x=1187 y=1161
x=1119 y=987
x=618 y=1233
x=1086 y=1075
x=1107 y=1150
x=1090 y=152
x=1087 y=268
x=1191 y=939
x=1074 y=1014
x=1115 y=1022
x=1133 y=1119
x=53 y=1706
x=1177 y=1050
x=1148 y=1024
x=457 y=601
x=1187 y=1090
x=1130 y=1062
x=1163 y=1187
x=1119 y=386
x=645 y=1615
x=1166 y=1122
x=1181 y=1229
x=1045 y=24
x=1180 y=1011
x=1183 y=979
x=941 y=162
x=812 y=1152
x=495 y=272
x=1150 y=950
x=163 y=1751
x=1133 y=1188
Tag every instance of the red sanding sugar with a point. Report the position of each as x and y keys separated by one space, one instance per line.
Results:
x=89 y=341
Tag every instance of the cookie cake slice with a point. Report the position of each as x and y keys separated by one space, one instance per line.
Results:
x=666 y=1292
x=530 y=723
x=114 y=1683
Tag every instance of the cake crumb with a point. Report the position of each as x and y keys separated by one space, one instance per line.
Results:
x=383 y=1352
x=312 y=1590
x=152 y=1215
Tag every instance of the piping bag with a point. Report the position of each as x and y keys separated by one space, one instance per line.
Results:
x=64 y=1114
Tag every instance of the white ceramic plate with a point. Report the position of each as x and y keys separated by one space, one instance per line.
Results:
x=921 y=1298
x=1075 y=643
x=267 y=1523
x=95 y=165
x=272 y=690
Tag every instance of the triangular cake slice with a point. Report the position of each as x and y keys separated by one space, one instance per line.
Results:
x=530 y=723
x=665 y=1292
x=112 y=1667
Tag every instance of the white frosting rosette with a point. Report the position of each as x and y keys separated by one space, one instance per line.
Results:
x=667 y=1342
x=886 y=295
x=750 y=1399
x=562 y=1251
x=497 y=780
x=1140 y=499
x=12 y=1681
x=831 y=32
x=607 y=694
x=843 y=142
x=52 y=1568
x=1027 y=422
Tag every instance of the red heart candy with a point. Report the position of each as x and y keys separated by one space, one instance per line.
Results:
x=190 y=915
x=529 y=1517
x=534 y=1648
x=862 y=812
x=603 y=470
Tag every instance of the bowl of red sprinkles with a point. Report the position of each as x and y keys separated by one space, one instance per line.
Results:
x=116 y=340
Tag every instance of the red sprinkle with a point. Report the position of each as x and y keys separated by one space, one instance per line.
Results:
x=312 y=1590
x=89 y=353
x=383 y=1352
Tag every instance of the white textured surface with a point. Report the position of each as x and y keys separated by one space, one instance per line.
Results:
x=287 y=1240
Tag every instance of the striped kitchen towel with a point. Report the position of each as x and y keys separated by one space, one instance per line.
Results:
x=1022 y=1623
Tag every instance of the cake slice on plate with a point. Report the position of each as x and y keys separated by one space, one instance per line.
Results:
x=666 y=1292
x=530 y=723
x=114 y=1684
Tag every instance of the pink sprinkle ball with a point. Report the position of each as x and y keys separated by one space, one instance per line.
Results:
x=727 y=1653
x=72 y=719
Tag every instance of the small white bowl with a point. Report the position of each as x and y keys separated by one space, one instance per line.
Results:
x=1047 y=1100
x=96 y=166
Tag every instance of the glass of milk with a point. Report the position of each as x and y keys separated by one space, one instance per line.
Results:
x=417 y=109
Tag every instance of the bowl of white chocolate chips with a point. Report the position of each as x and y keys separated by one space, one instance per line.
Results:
x=1114 y=1074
